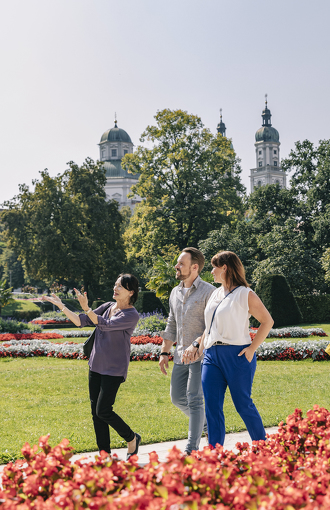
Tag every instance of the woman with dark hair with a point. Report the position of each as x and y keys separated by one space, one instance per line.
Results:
x=108 y=364
x=229 y=353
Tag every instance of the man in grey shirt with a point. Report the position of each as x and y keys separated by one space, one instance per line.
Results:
x=185 y=324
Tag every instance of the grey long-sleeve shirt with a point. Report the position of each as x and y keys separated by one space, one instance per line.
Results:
x=186 y=319
x=112 y=346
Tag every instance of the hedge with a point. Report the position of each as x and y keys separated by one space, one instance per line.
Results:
x=275 y=293
x=148 y=302
x=314 y=308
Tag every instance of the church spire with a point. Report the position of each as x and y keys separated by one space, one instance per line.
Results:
x=266 y=115
x=221 y=128
x=116 y=120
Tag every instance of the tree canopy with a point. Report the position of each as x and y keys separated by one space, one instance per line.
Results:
x=65 y=230
x=189 y=182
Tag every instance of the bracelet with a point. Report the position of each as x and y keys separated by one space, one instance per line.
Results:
x=88 y=311
x=165 y=353
x=63 y=308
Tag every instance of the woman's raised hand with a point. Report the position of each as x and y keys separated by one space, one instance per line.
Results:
x=82 y=298
x=53 y=299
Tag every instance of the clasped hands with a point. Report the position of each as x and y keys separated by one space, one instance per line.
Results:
x=191 y=354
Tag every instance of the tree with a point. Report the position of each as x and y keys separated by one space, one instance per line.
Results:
x=286 y=253
x=310 y=183
x=189 y=182
x=242 y=240
x=12 y=268
x=311 y=177
x=162 y=279
x=65 y=230
x=325 y=261
x=5 y=294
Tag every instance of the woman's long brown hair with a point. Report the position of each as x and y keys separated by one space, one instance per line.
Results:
x=235 y=274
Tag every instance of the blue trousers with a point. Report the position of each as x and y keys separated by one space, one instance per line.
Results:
x=223 y=367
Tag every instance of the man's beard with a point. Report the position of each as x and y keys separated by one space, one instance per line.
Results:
x=180 y=276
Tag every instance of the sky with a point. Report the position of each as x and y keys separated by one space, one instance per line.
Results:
x=68 y=65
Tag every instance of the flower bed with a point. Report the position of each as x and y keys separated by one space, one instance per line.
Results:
x=38 y=320
x=289 y=471
x=283 y=350
x=4 y=337
x=146 y=339
x=273 y=351
x=294 y=332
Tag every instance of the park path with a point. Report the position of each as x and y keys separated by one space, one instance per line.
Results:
x=162 y=448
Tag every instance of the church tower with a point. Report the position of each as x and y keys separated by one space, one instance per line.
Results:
x=267 y=145
x=114 y=144
x=221 y=128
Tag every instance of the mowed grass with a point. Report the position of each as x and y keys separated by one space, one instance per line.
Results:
x=46 y=395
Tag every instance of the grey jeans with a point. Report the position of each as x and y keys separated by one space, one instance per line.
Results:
x=187 y=395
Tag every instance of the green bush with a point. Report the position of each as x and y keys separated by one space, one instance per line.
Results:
x=314 y=308
x=13 y=326
x=148 y=302
x=275 y=293
x=150 y=323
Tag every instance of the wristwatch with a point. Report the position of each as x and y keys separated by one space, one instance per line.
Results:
x=195 y=344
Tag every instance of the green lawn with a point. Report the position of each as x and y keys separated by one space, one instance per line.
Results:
x=41 y=395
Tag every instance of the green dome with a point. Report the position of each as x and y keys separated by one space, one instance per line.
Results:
x=114 y=169
x=267 y=134
x=115 y=134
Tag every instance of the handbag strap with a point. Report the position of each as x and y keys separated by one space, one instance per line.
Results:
x=219 y=305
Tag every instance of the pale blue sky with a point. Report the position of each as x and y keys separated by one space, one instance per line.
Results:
x=68 y=65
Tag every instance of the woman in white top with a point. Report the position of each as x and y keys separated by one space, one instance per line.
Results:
x=229 y=353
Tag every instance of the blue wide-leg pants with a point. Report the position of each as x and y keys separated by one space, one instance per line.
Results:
x=223 y=367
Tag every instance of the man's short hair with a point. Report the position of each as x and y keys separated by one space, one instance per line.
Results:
x=197 y=257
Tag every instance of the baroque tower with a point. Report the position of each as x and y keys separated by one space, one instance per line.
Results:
x=114 y=144
x=267 y=145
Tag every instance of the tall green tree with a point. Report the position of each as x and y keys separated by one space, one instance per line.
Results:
x=65 y=230
x=310 y=184
x=286 y=252
x=5 y=294
x=189 y=182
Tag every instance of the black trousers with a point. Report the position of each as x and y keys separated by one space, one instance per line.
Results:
x=102 y=393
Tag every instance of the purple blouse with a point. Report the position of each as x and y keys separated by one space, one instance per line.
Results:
x=112 y=346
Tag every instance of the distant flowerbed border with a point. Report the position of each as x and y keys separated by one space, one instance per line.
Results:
x=288 y=471
x=272 y=351
x=50 y=321
x=4 y=337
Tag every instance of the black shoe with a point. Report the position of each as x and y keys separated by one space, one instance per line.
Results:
x=138 y=441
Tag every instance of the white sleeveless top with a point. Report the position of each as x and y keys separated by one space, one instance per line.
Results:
x=231 y=320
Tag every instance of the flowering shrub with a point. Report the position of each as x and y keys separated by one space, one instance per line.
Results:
x=150 y=323
x=289 y=471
